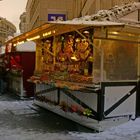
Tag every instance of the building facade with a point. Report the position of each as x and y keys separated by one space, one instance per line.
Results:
x=6 y=29
x=23 y=23
x=39 y=12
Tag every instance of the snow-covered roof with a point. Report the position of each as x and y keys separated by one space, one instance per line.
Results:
x=106 y=17
x=29 y=46
x=84 y=22
x=2 y=50
x=113 y=14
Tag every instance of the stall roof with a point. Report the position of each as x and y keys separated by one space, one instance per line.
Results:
x=62 y=28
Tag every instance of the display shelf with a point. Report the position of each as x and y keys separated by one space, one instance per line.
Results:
x=64 y=84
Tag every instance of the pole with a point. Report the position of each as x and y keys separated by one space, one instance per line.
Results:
x=139 y=14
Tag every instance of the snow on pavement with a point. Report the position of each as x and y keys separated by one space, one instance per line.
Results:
x=17 y=125
x=126 y=131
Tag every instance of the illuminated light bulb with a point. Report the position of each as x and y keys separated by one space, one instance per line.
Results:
x=74 y=57
x=33 y=38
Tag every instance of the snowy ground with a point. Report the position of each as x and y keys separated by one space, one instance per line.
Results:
x=21 y=120
x=127 y=131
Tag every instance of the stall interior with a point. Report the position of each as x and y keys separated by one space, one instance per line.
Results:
x=65 y=59
x=85 y=57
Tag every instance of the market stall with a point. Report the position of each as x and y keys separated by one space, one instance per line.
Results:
x=87 y=69
x=20 y=63
x=88 y=75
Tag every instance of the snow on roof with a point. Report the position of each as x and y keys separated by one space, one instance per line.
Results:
x=114 y=13
x=2 y=50
x=105 y=17
x=29 y=46
x=84 y=22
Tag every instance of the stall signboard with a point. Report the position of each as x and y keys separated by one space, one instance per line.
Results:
x=54 y=17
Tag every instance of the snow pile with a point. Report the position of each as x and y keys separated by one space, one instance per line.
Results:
x=112 y=14
x=16 y=126
x=93 y=23
x=106 y=17
x=29 y=46
x=2 y=50
x=14 y=105
x=127 y=131
x=22 y=134
x=14 y=131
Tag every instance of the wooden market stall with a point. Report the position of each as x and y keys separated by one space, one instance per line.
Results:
x=88 y=71
x=88 y=74
x=20 y=64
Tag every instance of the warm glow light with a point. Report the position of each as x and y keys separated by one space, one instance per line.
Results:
x=54 y=31
x=115 y=33
x=77 y=39
x=74 y=58
x=20 y=42
x=48 y=33
x=33 y=38
x=14 y=45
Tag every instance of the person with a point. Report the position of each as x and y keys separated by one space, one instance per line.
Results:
x=2 y=81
